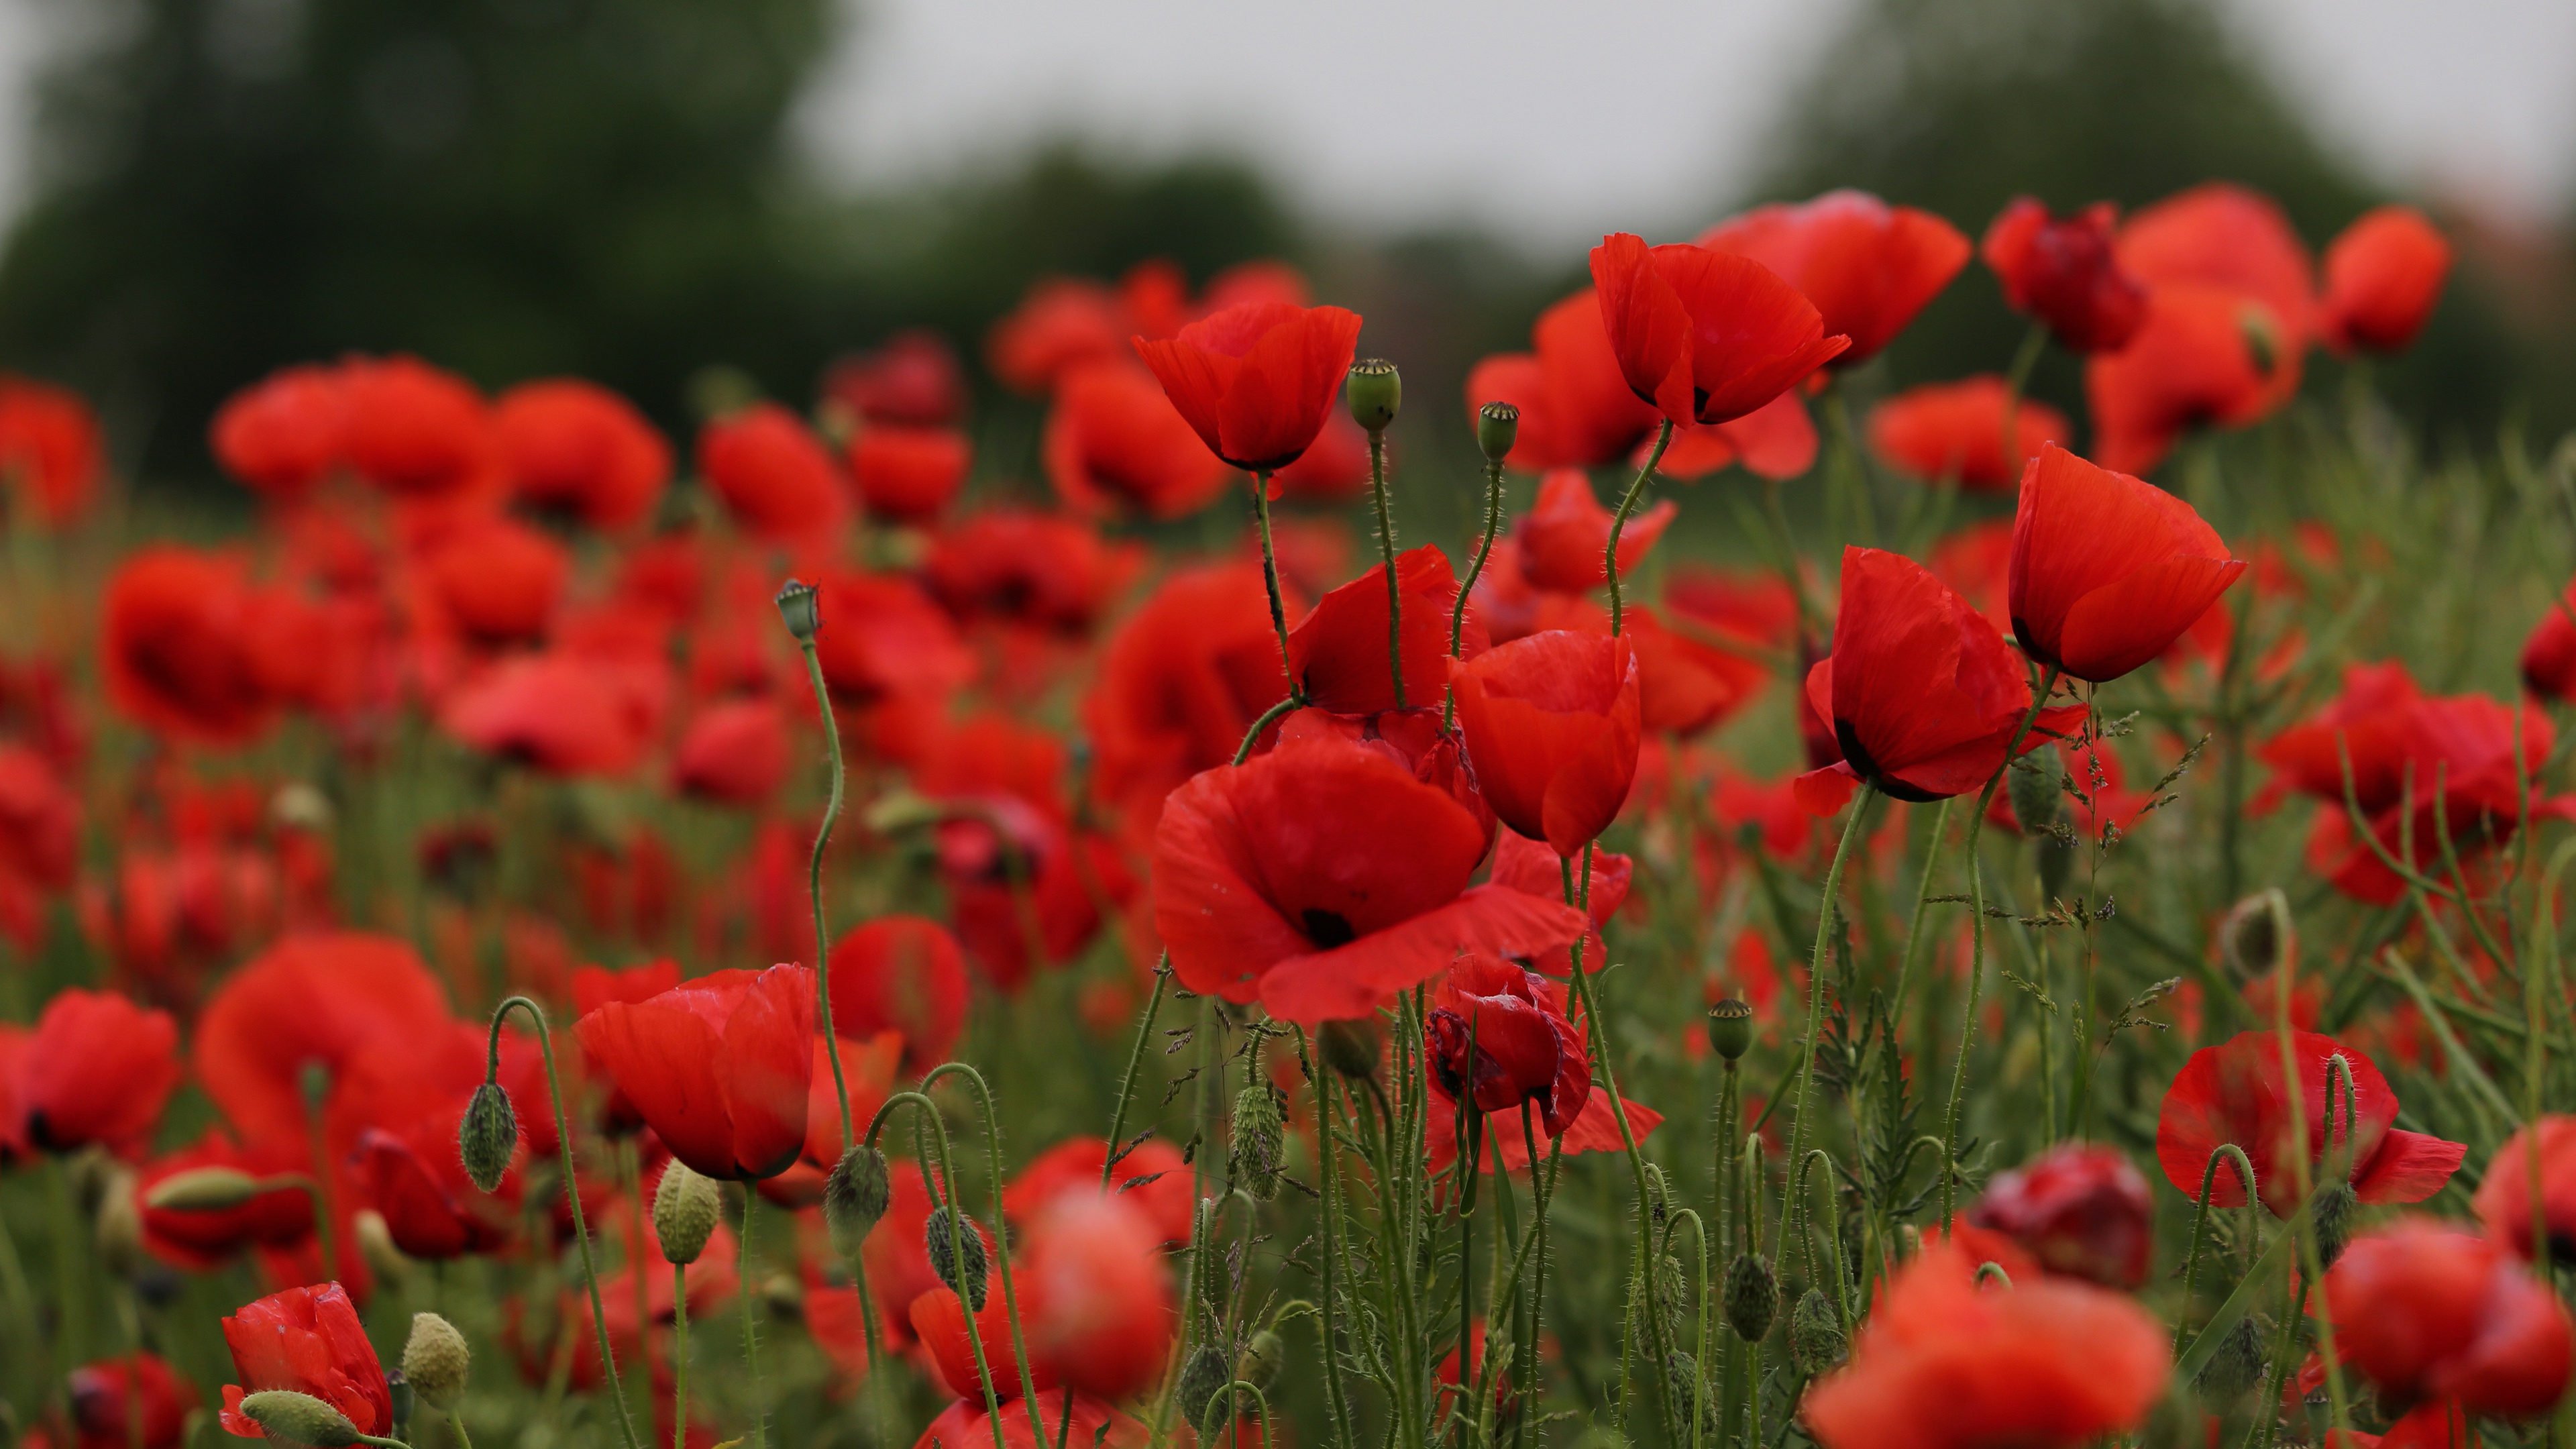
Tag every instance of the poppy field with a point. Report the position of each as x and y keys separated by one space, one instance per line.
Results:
x=1737 y=906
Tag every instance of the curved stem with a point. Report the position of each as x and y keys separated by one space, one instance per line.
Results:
x=2233 y=1155
x=1619 y=521
x=1135 y=1063
x=1270 y=576
x=1328 y=1152
x=814 y=889
x=1252 y=736
x=1826 y=906
x=1475 y=571
x=945 y=1186
x=993 y=1145
x=1386 y=548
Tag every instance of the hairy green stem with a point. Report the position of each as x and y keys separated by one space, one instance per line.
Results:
x=1619 y=521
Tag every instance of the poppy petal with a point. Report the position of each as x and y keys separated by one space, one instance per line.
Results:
x=2408 y=1167
x=1356 y=979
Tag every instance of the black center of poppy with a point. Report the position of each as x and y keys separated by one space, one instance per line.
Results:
x=1327 y=929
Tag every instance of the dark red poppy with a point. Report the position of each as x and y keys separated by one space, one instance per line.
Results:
x=176 y=650
x=912 y=380
x=497 y=580
x=578 y=448
x=2206 y=354
x=1035 y=1425
x=1945 y=1363
x=282 y=435
x=2428 y=1311
x=1339 y=649
x=1113 y=437
x=1923 y=694
x=1039 y=570
x=1705 y=335
x=1097 y=1296
x=905 y=474
x=412 y=1175
x=307 y=1341
x=1955 y=430
x=134 y=1402
x=1334 y=469
x=1498 y=1036
x=2064 y=272
x=1255 y=381
x=1322 y=877
x=2081 y=1210
x=2383 y=275
x=417 y=431
x=1180 y=682
x=51 y=449
x=1867 y=266
x=562 y=713
x=1151 y=1177
x=1565 y=536
x=197 y=1240
x=1552 y=723
x=2504 y=1195
x=2107 y=570
x=2234 y=1093
x=901 y=973
x=98 y=1069
x=719 y=1067
x=773 y=475
x=734 y=752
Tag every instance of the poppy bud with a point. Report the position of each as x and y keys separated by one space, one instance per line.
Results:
x=1374 y=393
x=946 y=1232
x=2250 y=936
x=488 y=1135
x=1659 y=1194
x=1262 y=1356
x=1730 y=1027
x=2331 y=1216
x=2037 y=803
x=293 y=1418
x=434 y=1361
x=1752 y=1296
x=120 y=1221
x=1498 y=426
x=799 y=607
x=202 y=1190
x=1682 y=1381
x=1259 y=1134
x=1816 y=1338
x=1352 y=1047
x=2237 y=1367
x=1201 y=1377
x=855 y=1196
x=685 y=1209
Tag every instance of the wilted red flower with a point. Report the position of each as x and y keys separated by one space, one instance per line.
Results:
x=1706 y=336
x=2504 y=1194
x=2383 y=275
x=1565 y=536
x=134 y=1402
x=773 y=474
x=1922 y=692
x=2196 y=360
x=1151 y=1177
x=1944 y=1363
x=1041 y=570
x=734 y=752
x=2080 y=1209
x=1255 y=381
x=1498 y=1035
x=912 y=381
x=2428 y=1311
x=719 y=1066
x=1955 y=430
x=175 y=646
x=411 y=1172
x=308 y=1341
x=906 y=474
x=1868 y=267
x=1104 y=1317
x=197 y=1239
x=496 y=579
x=580 y=448
x=1112 y=436
x=2233 y=1093
x=561 y=712
x=905 y=974
x=50 y=449
x=2107 y=570
x=1339 y=649
x=98 y=1069
x=1552 y=723
x=2064 y=271
x=282 y=435
x=417 y=431
x=1322 y=877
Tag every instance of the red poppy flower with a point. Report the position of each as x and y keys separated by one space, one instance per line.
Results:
x=1691 y=675
x=1776 y=441
x=2428 y=1311
x=942 y=1325
x=905 y=974
x=562 y=713
x=1255 y=381
x=175 y=646
x=1151 y=1178
x=1063 y=323
x=1531 y=867
x=2081 y=1210
x=417 y=431
x=98 y=1069
x=497 y=579
x=1868 y=267
x=883 y=639
x=734 y=753
x=411 y=1172
x=2107 y=570
x=1922 y=692
x=2194 y=361
x=1576 y=407
x=334 y=1000
x=1339 y=649
x=2222 y=235
x=2549 y=654
x=577 y=447
x=1028 y=1424
x=1498 y=1035
x=1944 y=1363
x=594 y=987
x=2064 y=271
x=308 y=1341
x=1413 y=738
x=907 y=475
x=1552 y=723
x=1955 y=430
x=2504 y=1195
x=1104 y=1316
x=1025 y=886
x=1113 y=437
x=911 y=381
x=50 y=448
x=1705 y=335
x=1322 y=877
x=2383 y=275
x=1334 y=469
x=773 y=474
x=1565 y=537
x=282 y=435
x=1040 y=570
x=868 y=1066
x=39 y=820
x=197 y=1240
x=1181 y=680
x=134 y=1402
x=719 y=1066
x=2233 y=1093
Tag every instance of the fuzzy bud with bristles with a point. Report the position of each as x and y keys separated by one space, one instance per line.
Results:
x=488 y=1135
x=1201 y=1378
x=1752 y=1296
x=1259 y=1365
x=2331 y=1214
x=686 y=1207
x=801 y=609
x=855 y=1197
x=2237 y=1367
x=1498 y=426
x=293 y=1418
x=1375 y=392
x=1259 y=1137
x=1816 y=1339
x=1730 y=1028
x=434 y=1360
x=964 y=1272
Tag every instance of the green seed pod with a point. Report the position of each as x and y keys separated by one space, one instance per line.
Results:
x=1659 y=1195
x=1752 y=1296
x=802 y=610
x=685 y=1209
x=1201 y=1378
x=1682 y=1380
x=1816 y=1340
x=2254 y=935
x=488 y=1136
x=2237 y=1367
x=2038 y=801
x=964 y=1273
x=1259 y=1137
x=855 y=1197
x=1261 y=1359
x=1375 y=392
x=434 y=1360
x=294 y=1418
x=1498 y=426
x=1730 y=1028
x=2332 y=1216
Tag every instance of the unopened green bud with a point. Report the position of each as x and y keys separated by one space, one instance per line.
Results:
x=294 y=1418
x=1816 y=1339
x=957 y=1254
x=2237 y=1366
x=488 y=1136
x=686 y=1207
x=1259 y=1137
x=202 y=1190
x=1498 y=426
x=2038 y=801
x=1352 y=1048
x=1730 y=1028
x=801 y=608
x=855 y=1197
x=2255 y=935
x=1752 y=1296
x=119 y=1224
x=434 y=1360
x=1681 y=1377
x=1201 y=1378
x=1375 y=392
x=2331 y=1215
x=1260 y=1362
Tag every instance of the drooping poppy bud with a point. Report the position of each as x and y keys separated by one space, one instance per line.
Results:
x=1703 y=335
x=1260 y=1134
x=2065 y=272
x=2383 y=276
x=1817 y=1342
x=1752 y=1296
x=434 y=1361
x=855 y=1196
x=2107 y=570
x=686 y=1209
x=958 y=1254
x=487 y=1136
